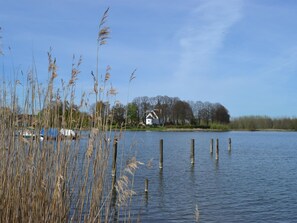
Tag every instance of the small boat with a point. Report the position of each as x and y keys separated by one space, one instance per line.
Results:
x=50 y=133
x=27 y=133
x=68 y=133
x=54 y=133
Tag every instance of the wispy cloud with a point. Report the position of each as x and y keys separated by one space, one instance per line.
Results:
x=204 y=34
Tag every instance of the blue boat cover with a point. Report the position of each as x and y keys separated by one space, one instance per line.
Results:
x=51 y=132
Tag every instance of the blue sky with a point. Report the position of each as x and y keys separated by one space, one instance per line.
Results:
x=240 y=53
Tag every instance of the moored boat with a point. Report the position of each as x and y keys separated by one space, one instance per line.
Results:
x=68 y=133
x=54 y=133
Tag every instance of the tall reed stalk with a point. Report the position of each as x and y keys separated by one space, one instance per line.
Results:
x=58 y=180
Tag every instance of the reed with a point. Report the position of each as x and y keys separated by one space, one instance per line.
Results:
x=59 y=180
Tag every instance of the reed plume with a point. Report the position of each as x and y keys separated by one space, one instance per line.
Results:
x=104 y=31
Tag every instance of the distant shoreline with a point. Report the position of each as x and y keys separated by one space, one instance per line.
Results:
x=206 y=130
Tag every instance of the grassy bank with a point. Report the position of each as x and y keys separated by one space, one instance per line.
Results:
x=178 y=128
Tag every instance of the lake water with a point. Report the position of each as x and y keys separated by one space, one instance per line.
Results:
x=256 y=182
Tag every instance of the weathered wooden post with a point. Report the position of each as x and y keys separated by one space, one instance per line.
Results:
x=193 y=151
x=146 y=191
x=114 y=162
x=146 y=186
x=217 y=149
x=161 y=154
x=211 y=146
x=229 y=145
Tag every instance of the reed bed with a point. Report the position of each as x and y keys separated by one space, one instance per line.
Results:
x=58 y=180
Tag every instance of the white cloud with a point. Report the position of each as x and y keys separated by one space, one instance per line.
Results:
x=204 y=34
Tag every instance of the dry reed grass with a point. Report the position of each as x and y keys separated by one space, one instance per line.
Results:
x=58 y=180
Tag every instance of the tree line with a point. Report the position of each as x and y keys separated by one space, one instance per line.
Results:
x=174 y=111
x=171 y=111
x=263 y=122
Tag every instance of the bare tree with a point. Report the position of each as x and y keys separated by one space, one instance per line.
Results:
x=182 y=113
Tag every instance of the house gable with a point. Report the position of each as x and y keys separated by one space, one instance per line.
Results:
x=151 y=118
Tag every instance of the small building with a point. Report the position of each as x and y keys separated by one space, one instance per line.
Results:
x=152 y=118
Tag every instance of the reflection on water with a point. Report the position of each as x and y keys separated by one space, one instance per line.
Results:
x=161 y=187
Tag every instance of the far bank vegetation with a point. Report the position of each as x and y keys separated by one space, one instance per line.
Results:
x=172 y=113
x=263 y=122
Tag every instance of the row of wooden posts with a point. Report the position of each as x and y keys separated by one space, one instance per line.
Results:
x=192 y=157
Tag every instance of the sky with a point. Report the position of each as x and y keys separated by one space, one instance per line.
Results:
x=240 y=53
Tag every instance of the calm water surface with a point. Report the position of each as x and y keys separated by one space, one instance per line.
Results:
x=256 y=182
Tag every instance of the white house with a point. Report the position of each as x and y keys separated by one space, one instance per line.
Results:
x=151 y=118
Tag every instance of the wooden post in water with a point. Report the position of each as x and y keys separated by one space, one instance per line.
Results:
x=161 y=154
x=217 y=149
x=114 y=163
x=211 y=146
x=146 y=186
x=193 y=151
x=229 y=145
